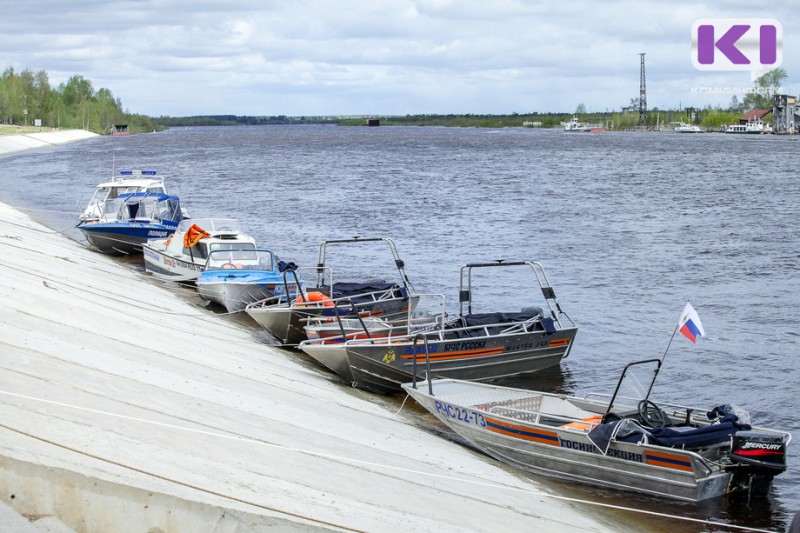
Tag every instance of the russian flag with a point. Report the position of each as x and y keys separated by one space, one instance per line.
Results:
x=690 y=324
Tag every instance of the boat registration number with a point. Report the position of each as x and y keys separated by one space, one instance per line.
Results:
x=462 y=415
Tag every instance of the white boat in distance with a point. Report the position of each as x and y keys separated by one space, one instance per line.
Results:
x=682 y=127
x=183 y=256
x=575 y=125
x=753 y=126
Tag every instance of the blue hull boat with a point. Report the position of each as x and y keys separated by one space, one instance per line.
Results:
x=236 y=278
x=129 y=220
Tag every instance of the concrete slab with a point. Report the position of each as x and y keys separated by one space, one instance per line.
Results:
x=12 y=521
x=11 y=144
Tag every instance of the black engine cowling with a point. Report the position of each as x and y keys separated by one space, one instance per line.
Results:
x=756 y=458
x=763 y=453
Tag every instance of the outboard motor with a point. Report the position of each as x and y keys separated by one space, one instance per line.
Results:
x=757 y=458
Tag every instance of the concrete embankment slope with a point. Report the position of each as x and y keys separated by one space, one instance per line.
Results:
x=124 y=407
x=11 y=144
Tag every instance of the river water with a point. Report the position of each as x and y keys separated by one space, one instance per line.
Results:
x=629 y=227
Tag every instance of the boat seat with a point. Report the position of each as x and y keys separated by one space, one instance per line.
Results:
x=689 y=437
x=584 y=424
x=497 y=323
x=344 y=289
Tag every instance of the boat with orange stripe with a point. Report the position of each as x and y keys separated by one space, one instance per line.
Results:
x=620 y=441
x=668 y=460
x=522 y=432
x=472 y=345
x=326 y=299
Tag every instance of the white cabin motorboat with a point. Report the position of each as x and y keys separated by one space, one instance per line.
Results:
x=183 y=256
x=127 y=182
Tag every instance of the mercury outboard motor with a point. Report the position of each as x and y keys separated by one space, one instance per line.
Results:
x=757 y=458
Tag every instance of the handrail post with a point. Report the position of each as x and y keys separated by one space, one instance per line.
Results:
x=288 y=294
x=427 y=363
x=354 y=311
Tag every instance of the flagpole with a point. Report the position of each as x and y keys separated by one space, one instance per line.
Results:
x=670 y=343
x=658 y=368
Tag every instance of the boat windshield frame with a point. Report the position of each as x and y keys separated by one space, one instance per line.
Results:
x=633 y=386
x=151 y=206
x=241 y=259
x=211 y=225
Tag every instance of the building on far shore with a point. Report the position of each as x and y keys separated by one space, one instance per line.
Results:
x=764 y=115
x=785 y=114
x=118 y=129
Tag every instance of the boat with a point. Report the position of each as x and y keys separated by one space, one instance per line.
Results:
x=236 y=278
x=340 y=329
x=752 y=126
x=473 y=346
x=183 y=255
x=285 y=318
x=129 y=220
x=682 y=127
x=128 y=181
x=575 y=125
x=622 y=441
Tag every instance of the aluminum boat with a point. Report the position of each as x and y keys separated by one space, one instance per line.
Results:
x=473 y=346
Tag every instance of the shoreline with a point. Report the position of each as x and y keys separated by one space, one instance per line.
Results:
x=126 y=407
x=14 y=144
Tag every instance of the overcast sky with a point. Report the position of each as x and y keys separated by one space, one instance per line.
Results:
x=378 y=57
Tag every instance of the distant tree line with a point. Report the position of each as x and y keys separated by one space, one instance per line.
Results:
x=27 y=96
x=235 y=120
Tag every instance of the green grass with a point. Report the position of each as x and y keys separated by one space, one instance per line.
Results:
x=11 y=129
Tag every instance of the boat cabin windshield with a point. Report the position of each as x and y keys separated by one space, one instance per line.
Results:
x=130 y=182
x=241 y=259
x=141 y=206
x=202 y=249
x=211 y=225
x=635 y=384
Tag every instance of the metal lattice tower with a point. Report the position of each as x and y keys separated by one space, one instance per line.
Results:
x=642 y=95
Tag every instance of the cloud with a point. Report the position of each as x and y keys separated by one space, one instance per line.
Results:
x=312 y=57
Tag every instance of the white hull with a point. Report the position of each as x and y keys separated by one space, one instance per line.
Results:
x=172 y=260
x=168 y=267
x=234 y=296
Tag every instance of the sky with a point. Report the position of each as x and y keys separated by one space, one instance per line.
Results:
x=385 y=57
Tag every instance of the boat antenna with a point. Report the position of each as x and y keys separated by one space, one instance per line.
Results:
x=670 y=342
x=661 y=362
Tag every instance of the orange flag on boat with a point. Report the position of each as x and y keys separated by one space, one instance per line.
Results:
x=193 y=236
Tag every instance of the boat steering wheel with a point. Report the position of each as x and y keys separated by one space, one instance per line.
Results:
x=652 y=415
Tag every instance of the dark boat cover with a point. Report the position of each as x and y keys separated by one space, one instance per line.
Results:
x=687 y=437
x=344 y=288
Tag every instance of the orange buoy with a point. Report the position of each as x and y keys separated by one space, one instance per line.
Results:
x=313 y=299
